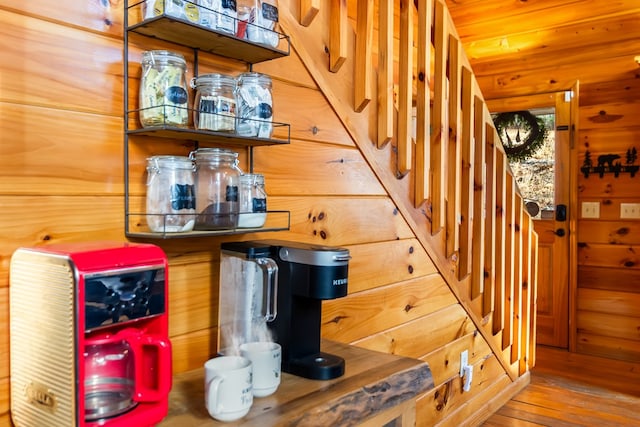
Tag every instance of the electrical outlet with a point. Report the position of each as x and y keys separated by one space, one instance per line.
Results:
x=630 y=210
x=464 y=361
x=590 y=209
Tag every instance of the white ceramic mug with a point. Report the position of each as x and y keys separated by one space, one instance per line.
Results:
x=266 y=358
x=228 y=393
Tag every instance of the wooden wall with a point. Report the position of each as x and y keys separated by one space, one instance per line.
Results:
x=607 y=298
x=549 y=46
x=61 y=180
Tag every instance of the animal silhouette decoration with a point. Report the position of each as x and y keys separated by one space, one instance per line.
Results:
x=607 y=159
x=611 y=163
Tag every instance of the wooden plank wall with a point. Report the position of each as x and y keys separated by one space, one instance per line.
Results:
x=607 y=298
x=61 y=180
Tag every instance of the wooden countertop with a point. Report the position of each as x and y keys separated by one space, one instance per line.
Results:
x=373 y=382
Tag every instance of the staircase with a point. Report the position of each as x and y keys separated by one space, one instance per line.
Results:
x=435 y=150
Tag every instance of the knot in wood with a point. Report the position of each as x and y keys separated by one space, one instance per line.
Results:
x=378 y=388
x=337 y=319
x=623 y=231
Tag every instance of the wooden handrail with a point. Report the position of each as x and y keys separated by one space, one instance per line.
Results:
x=338 y=35
x=452 y=163
x=385 y=72
x=439 y=119
x=364 y=40
x=423 y=96
x=405 y=89
x=454 y=153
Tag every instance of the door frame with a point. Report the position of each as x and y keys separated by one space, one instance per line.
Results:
x=545 y=100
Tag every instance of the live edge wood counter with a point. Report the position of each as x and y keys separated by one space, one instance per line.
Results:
x=376 y=388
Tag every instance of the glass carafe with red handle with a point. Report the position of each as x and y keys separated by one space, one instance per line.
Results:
x=124 y=369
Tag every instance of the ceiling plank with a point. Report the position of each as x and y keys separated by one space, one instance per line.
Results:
x=507 y=16
x=619 y=33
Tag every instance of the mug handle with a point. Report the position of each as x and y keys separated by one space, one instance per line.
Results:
x=148 y=349
x=212 y=401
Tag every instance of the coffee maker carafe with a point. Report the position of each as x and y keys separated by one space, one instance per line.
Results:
x=307 y=274
x=248 y=296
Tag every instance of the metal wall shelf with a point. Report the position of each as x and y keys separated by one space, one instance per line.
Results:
x=137 y=226
x=190 y=34
x=199 y=38
x=282 y=130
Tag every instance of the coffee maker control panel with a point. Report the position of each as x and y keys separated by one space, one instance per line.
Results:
x=122 y=296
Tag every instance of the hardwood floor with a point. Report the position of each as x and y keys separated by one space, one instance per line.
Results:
x=568 y=389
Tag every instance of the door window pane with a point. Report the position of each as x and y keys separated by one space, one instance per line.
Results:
x=535 y=173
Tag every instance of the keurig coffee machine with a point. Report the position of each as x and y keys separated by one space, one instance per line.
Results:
x=306 y=275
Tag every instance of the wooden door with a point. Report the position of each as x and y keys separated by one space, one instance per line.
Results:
x=554 y=259
x=553 y=225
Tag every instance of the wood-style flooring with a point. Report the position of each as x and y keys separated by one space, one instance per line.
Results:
x=568 y=389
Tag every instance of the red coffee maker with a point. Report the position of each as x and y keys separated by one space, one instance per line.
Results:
x=89 y=335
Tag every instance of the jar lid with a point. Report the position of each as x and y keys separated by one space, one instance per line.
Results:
x=214 y=79
x=171 y=162
x=252 y=178
x=252 y=77
x=213 y=153
x=163 y=57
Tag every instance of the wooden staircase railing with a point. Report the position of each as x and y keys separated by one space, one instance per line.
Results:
x=479 y=235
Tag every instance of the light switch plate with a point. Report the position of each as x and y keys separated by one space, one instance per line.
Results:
x=630 y=210
x=464 y=361
x=590 y=210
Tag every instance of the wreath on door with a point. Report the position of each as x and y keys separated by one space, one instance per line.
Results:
x=521 y=133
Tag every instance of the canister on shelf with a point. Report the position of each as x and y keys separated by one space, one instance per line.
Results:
x=177 y=8
x=217 y=188
x=253 y=201
x=219 y=15
x=256 y=21
x=170 y=194
x=164 y=99
x=215 y=103
x=254 y=105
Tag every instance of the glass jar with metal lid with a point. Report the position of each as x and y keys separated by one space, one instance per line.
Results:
x=171 y=196
x=164 y=96
x=254 y=105
x=217 y=186
x=215 y=103
x=253 y=201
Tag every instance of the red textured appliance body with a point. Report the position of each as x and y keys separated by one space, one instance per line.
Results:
x=89 y=339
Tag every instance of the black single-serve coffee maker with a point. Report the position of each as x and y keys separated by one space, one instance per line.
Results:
x=306 y=275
